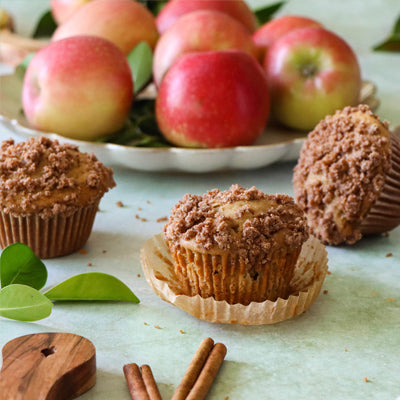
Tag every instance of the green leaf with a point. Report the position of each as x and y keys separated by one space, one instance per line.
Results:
x=153 y=6
x=140 y=60
x=24 y=303
x=392 y=43
x=92 y=286
x=18 y=264
x=23 y=65
x=266 y=13
x=45 y=27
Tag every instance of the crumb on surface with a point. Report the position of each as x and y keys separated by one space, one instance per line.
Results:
x=143 y=219
x=329 y=272
x=139 y=208
x=137 y=216
x=146 y=323
x=385 y=234
x=89 y=264
x=157 y=327
x=104 y=251
x=82 y=251
x=389 y=255
x=148 y=202
x=325 y=292
x=119 y=204
x=390 y=299
x=366 y=379
x=162 y=219
x=181 y=331
x=138 y=275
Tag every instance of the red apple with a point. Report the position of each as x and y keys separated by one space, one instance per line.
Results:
x=279 y=27
x=123 y=22
x=79 y=87
x=213 y=99
x=311 y=72
x=174 y=9
x=199 y=31
x=64 y=9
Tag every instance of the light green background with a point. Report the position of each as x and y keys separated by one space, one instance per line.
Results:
x=349 y=333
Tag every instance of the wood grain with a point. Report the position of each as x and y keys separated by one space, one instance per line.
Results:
x=47 y=366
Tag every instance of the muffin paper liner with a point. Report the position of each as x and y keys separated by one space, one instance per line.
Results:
x=226 y=277
x=309 y=275
x=48 y=238
x=384 y=215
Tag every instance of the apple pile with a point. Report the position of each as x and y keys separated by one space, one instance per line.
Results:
x=217 y=73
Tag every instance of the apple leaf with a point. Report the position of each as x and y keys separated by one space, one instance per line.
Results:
x=92 y=286
x=19 y=264
x=23 y=65
x=392 y=43
x=45 y=27
x=141 y=130
x=153 y=6
x=140 y=60
x=24 y=303
x=266 y=13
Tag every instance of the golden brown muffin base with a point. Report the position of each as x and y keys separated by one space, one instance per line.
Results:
x=227 y=277
x=51 y=237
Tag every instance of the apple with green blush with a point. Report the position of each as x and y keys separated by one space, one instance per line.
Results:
x=312 y=72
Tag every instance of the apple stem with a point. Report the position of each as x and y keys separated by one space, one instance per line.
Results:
x=309 y=70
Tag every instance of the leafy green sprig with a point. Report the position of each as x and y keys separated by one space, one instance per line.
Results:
x=22 y=275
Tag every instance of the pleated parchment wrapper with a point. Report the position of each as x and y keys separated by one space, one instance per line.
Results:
x=310 y=272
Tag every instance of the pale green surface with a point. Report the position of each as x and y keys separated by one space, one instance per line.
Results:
x=303 y=358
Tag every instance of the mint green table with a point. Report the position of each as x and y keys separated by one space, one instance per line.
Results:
x=345 y=347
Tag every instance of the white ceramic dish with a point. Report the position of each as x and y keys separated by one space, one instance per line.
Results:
x=275 y=144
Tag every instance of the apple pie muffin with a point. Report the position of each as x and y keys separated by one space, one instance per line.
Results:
x=49 y=195
x=239 y=245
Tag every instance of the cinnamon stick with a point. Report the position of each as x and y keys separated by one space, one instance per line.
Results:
x=208 y=373
x=201 y=372
x=150 y=383
x=136 y=385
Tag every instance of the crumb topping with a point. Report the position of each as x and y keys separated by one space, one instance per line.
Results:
x=43 y=176
x=341 y=172
x=245 y=221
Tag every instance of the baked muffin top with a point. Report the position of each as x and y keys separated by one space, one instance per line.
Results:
x=245 y=221
x=44 y=177
x=341 y=172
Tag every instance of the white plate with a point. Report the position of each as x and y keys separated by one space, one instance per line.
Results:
x=275 y=144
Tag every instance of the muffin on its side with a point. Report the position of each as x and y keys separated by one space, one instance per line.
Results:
x=347 y=179
x=239 y=245
x=49 y=195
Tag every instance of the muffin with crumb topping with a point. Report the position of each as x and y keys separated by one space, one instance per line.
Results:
x=347 y=179
x=239 y=245
x=49 y=195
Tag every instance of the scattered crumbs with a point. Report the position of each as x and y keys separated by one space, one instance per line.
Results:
x=82 y=251
x=148 y=202
x=138 y=275
x=346 y=350
x=89 y=264
x=325 y=292
x=328 y=272
x=104 y=251
x=181 y=331
x=137 y=216
x=390 y=299
x=139 y=208
x=389 y=255
x=162 y=219
x=143 y=219
x=157 y=327
x=119 y=204
x=373 y=293
x=226 y=398
x=146 y=323
x=366 y=379
x=386 y=234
